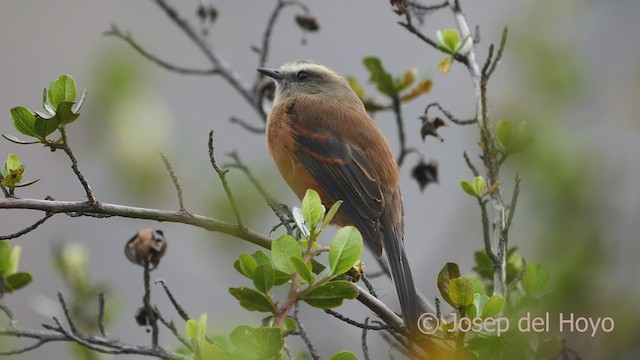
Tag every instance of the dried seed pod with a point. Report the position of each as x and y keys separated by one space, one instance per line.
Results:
x=307 y=22
x=147 y=246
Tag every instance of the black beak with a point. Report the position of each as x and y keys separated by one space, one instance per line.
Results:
x=272 y=73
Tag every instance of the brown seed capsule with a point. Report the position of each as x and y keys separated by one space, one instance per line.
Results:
x=147 y=246
x=307 y=22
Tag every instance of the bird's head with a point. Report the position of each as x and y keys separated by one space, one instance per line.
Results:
x=305 y=77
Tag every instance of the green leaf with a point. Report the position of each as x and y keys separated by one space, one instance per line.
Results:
x=264 y=277
x=303 y=270
x=356 y=87
x=24 y=121
x=344 y=250
x=484 y=265
x=448 y=40
x=25 y=184
x=471 y=311
x=242 y=337
x=5 y=257
x=15 y=140
x=288 y=326
x=300 y=223
x=45 y=103
x=343 y=355
x=246 y=265
x=261 y=257
x=269 y=342
x=379 y=76
x=331 y=294
x=535 y=278
x=449 y=272
x=78 y=105
x=331 y=213
x=461 y=292
x=312 y=209
x=62 y=89
x=282 y=249
x=479 y=184
x=12 y=171
x=197 y=330
x=14 y=260
x=44 y=127
x=468 y=188
x=252 y=300
x=478 y=302
x=13 y=163
x=504 y=133
x=64 y=115
x=281 y=277
x=478 y=288
x=18 y=281
x=210 y=351
x=493 y=306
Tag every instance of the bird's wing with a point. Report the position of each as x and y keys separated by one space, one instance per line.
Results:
x=343 y=172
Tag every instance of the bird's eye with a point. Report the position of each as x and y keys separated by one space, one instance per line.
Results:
x=302 y=75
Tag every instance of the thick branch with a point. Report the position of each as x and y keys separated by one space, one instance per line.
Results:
x=78 y=208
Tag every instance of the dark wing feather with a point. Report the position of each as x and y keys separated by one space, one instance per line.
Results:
x=344 y=173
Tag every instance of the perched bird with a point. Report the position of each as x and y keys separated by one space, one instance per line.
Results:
x=321 y=138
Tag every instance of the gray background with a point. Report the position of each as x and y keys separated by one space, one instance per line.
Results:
x=118 y=140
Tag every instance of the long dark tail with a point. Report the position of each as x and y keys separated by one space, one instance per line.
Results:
x=401 y=275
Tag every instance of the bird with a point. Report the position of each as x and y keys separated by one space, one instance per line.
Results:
x=321 y=137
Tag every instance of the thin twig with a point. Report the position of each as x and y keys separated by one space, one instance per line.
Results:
x=513 y=203
x=27 y=229
x=225 y=184
x=266 y=34
x=216 y=60
x=5 y=309
x=397 y=110
x=485 y=231
x=24 y=349
x=304 y=336
x=100 y=344
x=245 y=125
x=176 y=181
x=474 y=170
x=503 y=42
x=67 y=315
x=183 y=314
x=74 y=165
x=172 y=327
x=280 y=210
x=358 y=324
x=363 y=340
x=5 y=191
x=101 y=314
x=150 y=309
x=369 y=286
x=115 y=31
x=448 y=115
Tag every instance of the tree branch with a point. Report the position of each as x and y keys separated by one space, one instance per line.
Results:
x=115 y=31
